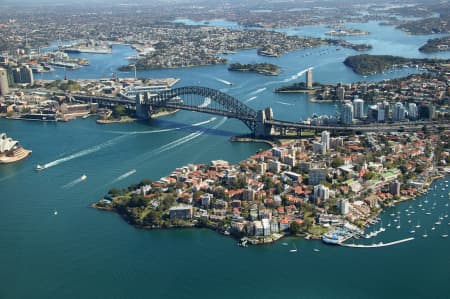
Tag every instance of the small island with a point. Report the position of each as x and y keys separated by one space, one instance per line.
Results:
x=341 y=31
x=266 y=69
x=268 y=51
x=365 y=64
x=436 y=45
x=349 y=45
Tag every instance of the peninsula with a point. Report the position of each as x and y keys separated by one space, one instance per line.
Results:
x=436 y=45
x=297 y=87
x=365 y=64
x=427 y=26
x=267 y=69
x=305 y=186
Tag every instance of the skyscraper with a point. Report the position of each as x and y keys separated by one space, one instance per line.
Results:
x=26 y=74
x=347 y=113
x=4 y=87
x=413 y=111
x=23 y=75
x=322 y=192
x=358 y=106
x=399 y=112
x=309 y=78
x=326 y=140
x=340 y=93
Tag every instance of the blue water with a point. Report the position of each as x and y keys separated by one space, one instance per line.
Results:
x=85 y=253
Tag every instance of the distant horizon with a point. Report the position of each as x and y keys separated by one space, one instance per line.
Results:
x=158 y=2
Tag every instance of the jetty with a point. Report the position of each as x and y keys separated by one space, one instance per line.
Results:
x=377 y=245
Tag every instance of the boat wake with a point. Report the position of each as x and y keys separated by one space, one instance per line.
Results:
x=74 y=182
x=124 y=176
x=177 y=142
x=85 y=152
x=164 y=130
x=258 y=91
x=181 y=141
x=250 y=99
x=296 y=76
x=378 y=245
x=223 y=81
x=284 y=103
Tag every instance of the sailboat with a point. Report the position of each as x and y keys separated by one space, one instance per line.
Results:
x=294 y=249
x=425 y=235
x=420 y=204
x=418 y=224
x=398 y=225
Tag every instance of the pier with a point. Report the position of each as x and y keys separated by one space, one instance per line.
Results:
x=378 y=244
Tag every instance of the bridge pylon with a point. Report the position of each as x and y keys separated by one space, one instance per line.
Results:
x=142 y=108
x=263 y=129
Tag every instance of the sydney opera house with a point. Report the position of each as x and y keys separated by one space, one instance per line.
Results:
x=10 y=150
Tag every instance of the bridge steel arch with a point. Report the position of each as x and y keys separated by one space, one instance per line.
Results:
x=228 y=105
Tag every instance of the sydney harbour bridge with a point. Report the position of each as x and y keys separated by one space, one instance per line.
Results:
x=261 y=123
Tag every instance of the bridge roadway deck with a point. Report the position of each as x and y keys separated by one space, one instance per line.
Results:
x=229 y=114
x=411 y=126
x=111 y=100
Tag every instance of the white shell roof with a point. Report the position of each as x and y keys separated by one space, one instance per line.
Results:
x=6 y=143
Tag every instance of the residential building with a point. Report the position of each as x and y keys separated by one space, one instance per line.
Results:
x=248 y=194
x=274 y=166
x=340 y=93
x=319 y=148
x=394 y=188
x=317 y=175
x=322 y=192
x=345 y=206
x=258 y=228
x=206 y=200
x=23 y=74
x=4 y=87
x=347 y=113
x=326 y=140
x=358 y=108
x=399 y=112
x=413 y=112
x=266 y=227
x=261 y=168
x=309 y=78
x=181 y=212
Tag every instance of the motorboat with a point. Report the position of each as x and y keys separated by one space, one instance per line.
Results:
x=294 y=249
x=39 y=167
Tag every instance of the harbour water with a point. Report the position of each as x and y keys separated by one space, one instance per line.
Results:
x=81 y=252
